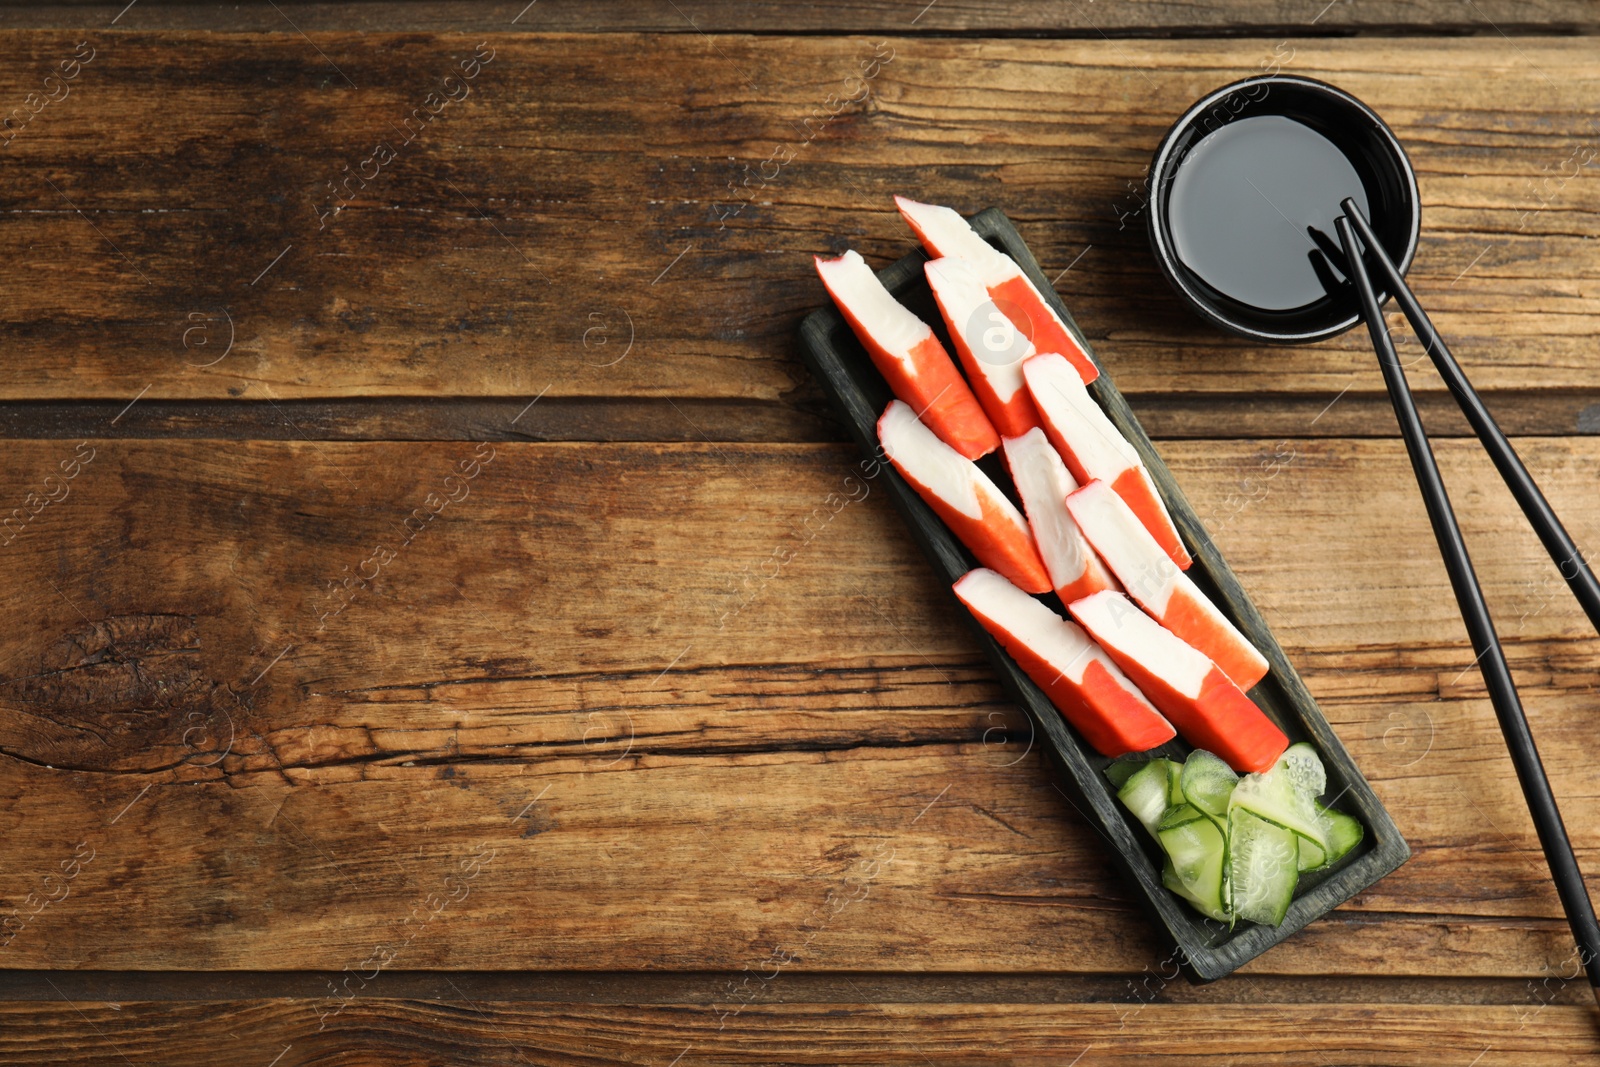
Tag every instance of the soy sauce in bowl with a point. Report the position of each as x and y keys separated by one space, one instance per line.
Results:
x=1247 y=203
x=1245 y=190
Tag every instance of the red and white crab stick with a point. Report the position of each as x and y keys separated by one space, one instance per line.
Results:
x=1156 y=584
x=990 y=345
x=1082 y=682
x=1094 y=448
x=908 y=355
x=943 y=232
x=969 y=503
x=1203 y=703
x=1043 y=482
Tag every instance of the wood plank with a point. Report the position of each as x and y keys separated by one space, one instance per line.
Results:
x=1051 y=18
x=473 y=1032
x=787 y=729
x=573 y=199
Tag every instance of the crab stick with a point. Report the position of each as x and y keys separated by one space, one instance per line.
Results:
x=1094 y=448
x=908 y=355
x=1083 y=683
x=969 y=503
x=990 y=345
x=1203 y=703
x=1157 y=585
x=943 y=232
x=1043 y=482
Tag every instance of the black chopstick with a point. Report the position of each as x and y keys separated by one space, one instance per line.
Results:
x=1475 y=613
x=1563 y=550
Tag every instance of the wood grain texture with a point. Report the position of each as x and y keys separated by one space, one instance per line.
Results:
x=471 y=1032
x=580 y=197
x=698 y=710
x=1049 y=18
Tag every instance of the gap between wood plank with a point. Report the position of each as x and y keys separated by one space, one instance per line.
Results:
x=626 y=987
x=466 y=16
x=803 y=419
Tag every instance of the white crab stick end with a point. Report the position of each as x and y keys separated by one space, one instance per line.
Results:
x=991 y=347
x=1084 y=683
x=1157 y=585
x=908 y=355
x=1094 y=448
x=1125 y=631
x=1091 y=445
x=858 y=292
x=1043 y=482
x=944 y=233
x=1201 y=700
x=970 y=504
x=998 y=347
x=927 y=461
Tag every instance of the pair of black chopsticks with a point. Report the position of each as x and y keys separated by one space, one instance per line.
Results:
x=1480 y=627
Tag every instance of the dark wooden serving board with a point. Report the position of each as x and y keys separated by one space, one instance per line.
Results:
x=1207 y=949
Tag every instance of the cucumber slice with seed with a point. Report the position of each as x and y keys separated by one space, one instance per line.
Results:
x=1277 y=795
x=1263 y=867
x=1235 y=847
x=1304 y=768
x=1170 y=879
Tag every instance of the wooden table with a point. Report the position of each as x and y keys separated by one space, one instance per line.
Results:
x=443 y=628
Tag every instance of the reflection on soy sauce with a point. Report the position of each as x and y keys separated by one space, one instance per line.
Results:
x=1252 y=206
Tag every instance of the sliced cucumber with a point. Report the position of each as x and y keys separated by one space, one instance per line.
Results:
x=1235 y=847
x=1147 y=793
x=1304 y=768
x=1170 y=879
x=1174 y=782
x=1121 y=770
x=1177 y=815
x=1277 y=797
x=1263 y=867
x=1343 y=833
x=1311 y=854
x=1197 y=851
x=1207 y=783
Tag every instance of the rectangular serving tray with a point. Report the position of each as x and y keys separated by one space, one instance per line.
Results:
x=1207 y=949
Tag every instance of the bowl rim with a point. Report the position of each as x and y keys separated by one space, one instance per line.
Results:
x=1162 y=171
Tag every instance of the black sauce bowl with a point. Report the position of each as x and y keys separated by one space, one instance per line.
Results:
x=1357 y=131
